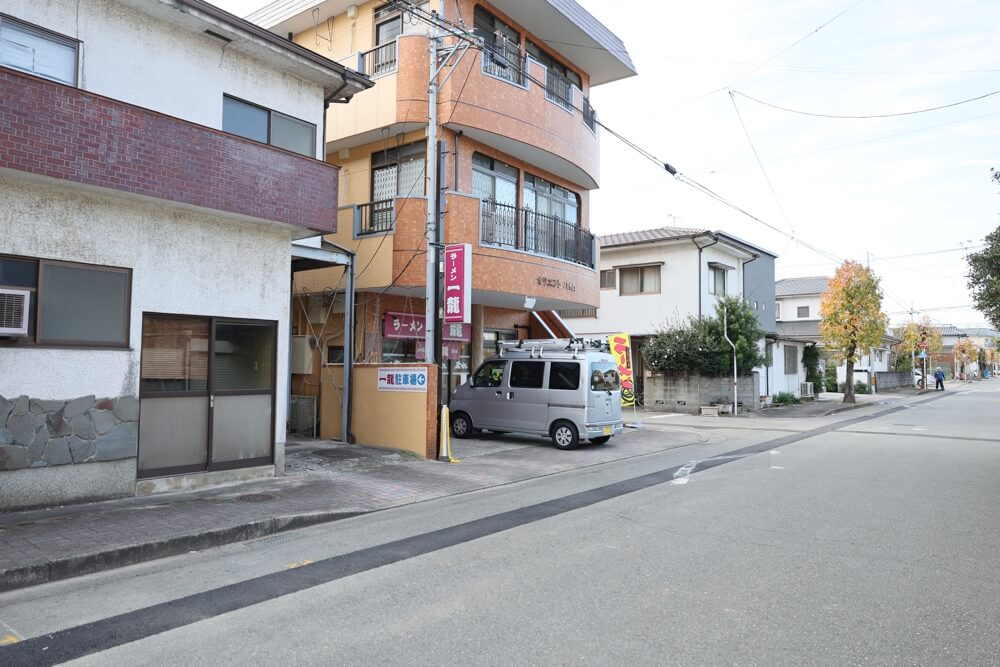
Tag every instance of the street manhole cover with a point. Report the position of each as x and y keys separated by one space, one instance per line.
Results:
x=254 y=498
x=335 y=454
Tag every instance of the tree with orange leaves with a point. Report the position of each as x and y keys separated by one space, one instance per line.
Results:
x=965 y=351
x=851 y=317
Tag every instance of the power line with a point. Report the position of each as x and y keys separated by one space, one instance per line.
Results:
x=868 y=116
x=863 y=142
x=761 y=164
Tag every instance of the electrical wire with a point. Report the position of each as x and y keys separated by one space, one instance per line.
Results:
x=763 y=171
x=868 y=116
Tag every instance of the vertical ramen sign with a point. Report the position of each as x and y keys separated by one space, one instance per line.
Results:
x=621 y=348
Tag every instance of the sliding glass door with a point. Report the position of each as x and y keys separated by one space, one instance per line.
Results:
x=206 y=394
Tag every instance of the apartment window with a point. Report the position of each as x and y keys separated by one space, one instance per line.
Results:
x=716 y=280
x=71 y=304
x=551 y=200
x=37 y=51
x=396 y=172
x=768 y=354
x=777 y=310
x=268 y=127
x=639 y=280
x=802 y=311
x=559 y=79
x=791 y=360
x=493 y=180
x=608 y=279
x=388 y=24
x=502 y=55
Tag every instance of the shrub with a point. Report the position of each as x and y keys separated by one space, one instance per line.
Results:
x=830 y=378
x=861 y=388
x=785 y=398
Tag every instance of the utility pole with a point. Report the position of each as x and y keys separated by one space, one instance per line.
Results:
x=431 y=311
x=725 y=334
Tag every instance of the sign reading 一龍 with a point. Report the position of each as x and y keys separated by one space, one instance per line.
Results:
x=458 y=283
x=402 y=378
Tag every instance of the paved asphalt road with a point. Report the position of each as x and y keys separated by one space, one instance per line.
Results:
x=869 y=540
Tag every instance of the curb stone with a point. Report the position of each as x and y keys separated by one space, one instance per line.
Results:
x=75 y=566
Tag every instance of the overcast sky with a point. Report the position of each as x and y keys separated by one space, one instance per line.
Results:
x=865 y=189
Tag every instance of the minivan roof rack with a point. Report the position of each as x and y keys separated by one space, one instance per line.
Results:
x=535 y=347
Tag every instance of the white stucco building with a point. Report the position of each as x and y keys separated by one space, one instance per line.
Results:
x=655 y=278
x=797 y=303
x=157 y=159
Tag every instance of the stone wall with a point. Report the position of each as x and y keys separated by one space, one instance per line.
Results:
x=36 y=433
x=888 y=381
x=687 y=393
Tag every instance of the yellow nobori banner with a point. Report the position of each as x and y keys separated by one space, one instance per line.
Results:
x=621 y=348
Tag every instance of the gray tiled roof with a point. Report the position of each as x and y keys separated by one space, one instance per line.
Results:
x=650 y=236
x=979 y=331
x=803 y=329
x=801 y=286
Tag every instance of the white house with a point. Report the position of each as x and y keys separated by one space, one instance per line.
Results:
x=797 y=302
x=657 y=277
x=157 y=159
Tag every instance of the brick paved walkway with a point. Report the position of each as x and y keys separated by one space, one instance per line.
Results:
x=325 y=481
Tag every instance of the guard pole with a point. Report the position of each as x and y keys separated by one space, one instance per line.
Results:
x=444 y=440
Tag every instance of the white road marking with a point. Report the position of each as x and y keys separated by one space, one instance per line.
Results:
x=917 y=429
x=681 y=476
x=777 y=467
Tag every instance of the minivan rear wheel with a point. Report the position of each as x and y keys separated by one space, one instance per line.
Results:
x=461 y=425
x=565 y=435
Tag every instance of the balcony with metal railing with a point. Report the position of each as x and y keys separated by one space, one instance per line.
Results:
x=381 y=60
x=377 y=217
x=523 y=229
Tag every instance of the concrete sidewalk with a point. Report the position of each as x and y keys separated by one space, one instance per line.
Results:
x=324 y=481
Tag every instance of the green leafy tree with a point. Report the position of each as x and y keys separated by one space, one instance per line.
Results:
x=743 y=330
x=851 y=317
x=984 y=277
x=830 y=377
x=814 y=372
x=697 y=345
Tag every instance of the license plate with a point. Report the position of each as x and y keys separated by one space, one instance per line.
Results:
x=607 y=430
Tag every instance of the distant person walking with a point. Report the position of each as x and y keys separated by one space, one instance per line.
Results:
x=939 y=379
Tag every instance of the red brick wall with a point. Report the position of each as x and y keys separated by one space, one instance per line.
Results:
x=62 y=132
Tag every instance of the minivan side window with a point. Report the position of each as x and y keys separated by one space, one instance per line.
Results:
x=489 y=374
x=527 y=374
x=604 y=377
x=564 y=375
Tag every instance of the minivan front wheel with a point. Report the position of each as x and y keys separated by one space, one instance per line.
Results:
x=565 y=435
x=461 y=425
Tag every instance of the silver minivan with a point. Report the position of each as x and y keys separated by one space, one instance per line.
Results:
x=564 y=389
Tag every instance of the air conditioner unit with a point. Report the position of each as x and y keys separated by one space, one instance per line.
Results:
x=806 y=390
x=14 y=309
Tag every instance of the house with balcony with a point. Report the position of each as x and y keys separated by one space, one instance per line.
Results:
x=652 y=278
x=517 y=158
x=797 y=312
x=150 y=204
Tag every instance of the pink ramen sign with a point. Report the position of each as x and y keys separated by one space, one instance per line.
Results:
x=407 y=325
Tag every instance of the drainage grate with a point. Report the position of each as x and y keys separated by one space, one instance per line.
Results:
x=254 y=498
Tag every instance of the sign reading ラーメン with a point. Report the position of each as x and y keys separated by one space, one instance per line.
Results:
x=621 y=348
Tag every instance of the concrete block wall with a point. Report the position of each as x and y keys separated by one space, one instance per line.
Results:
x=687 y=393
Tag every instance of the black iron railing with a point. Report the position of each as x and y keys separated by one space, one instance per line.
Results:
x=376 y=217
x=524 y=229
x=505 y=61
x=558 y=89
x=380 y=60
x=589 y=115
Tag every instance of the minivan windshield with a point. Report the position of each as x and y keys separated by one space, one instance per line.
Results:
x=604 y=376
